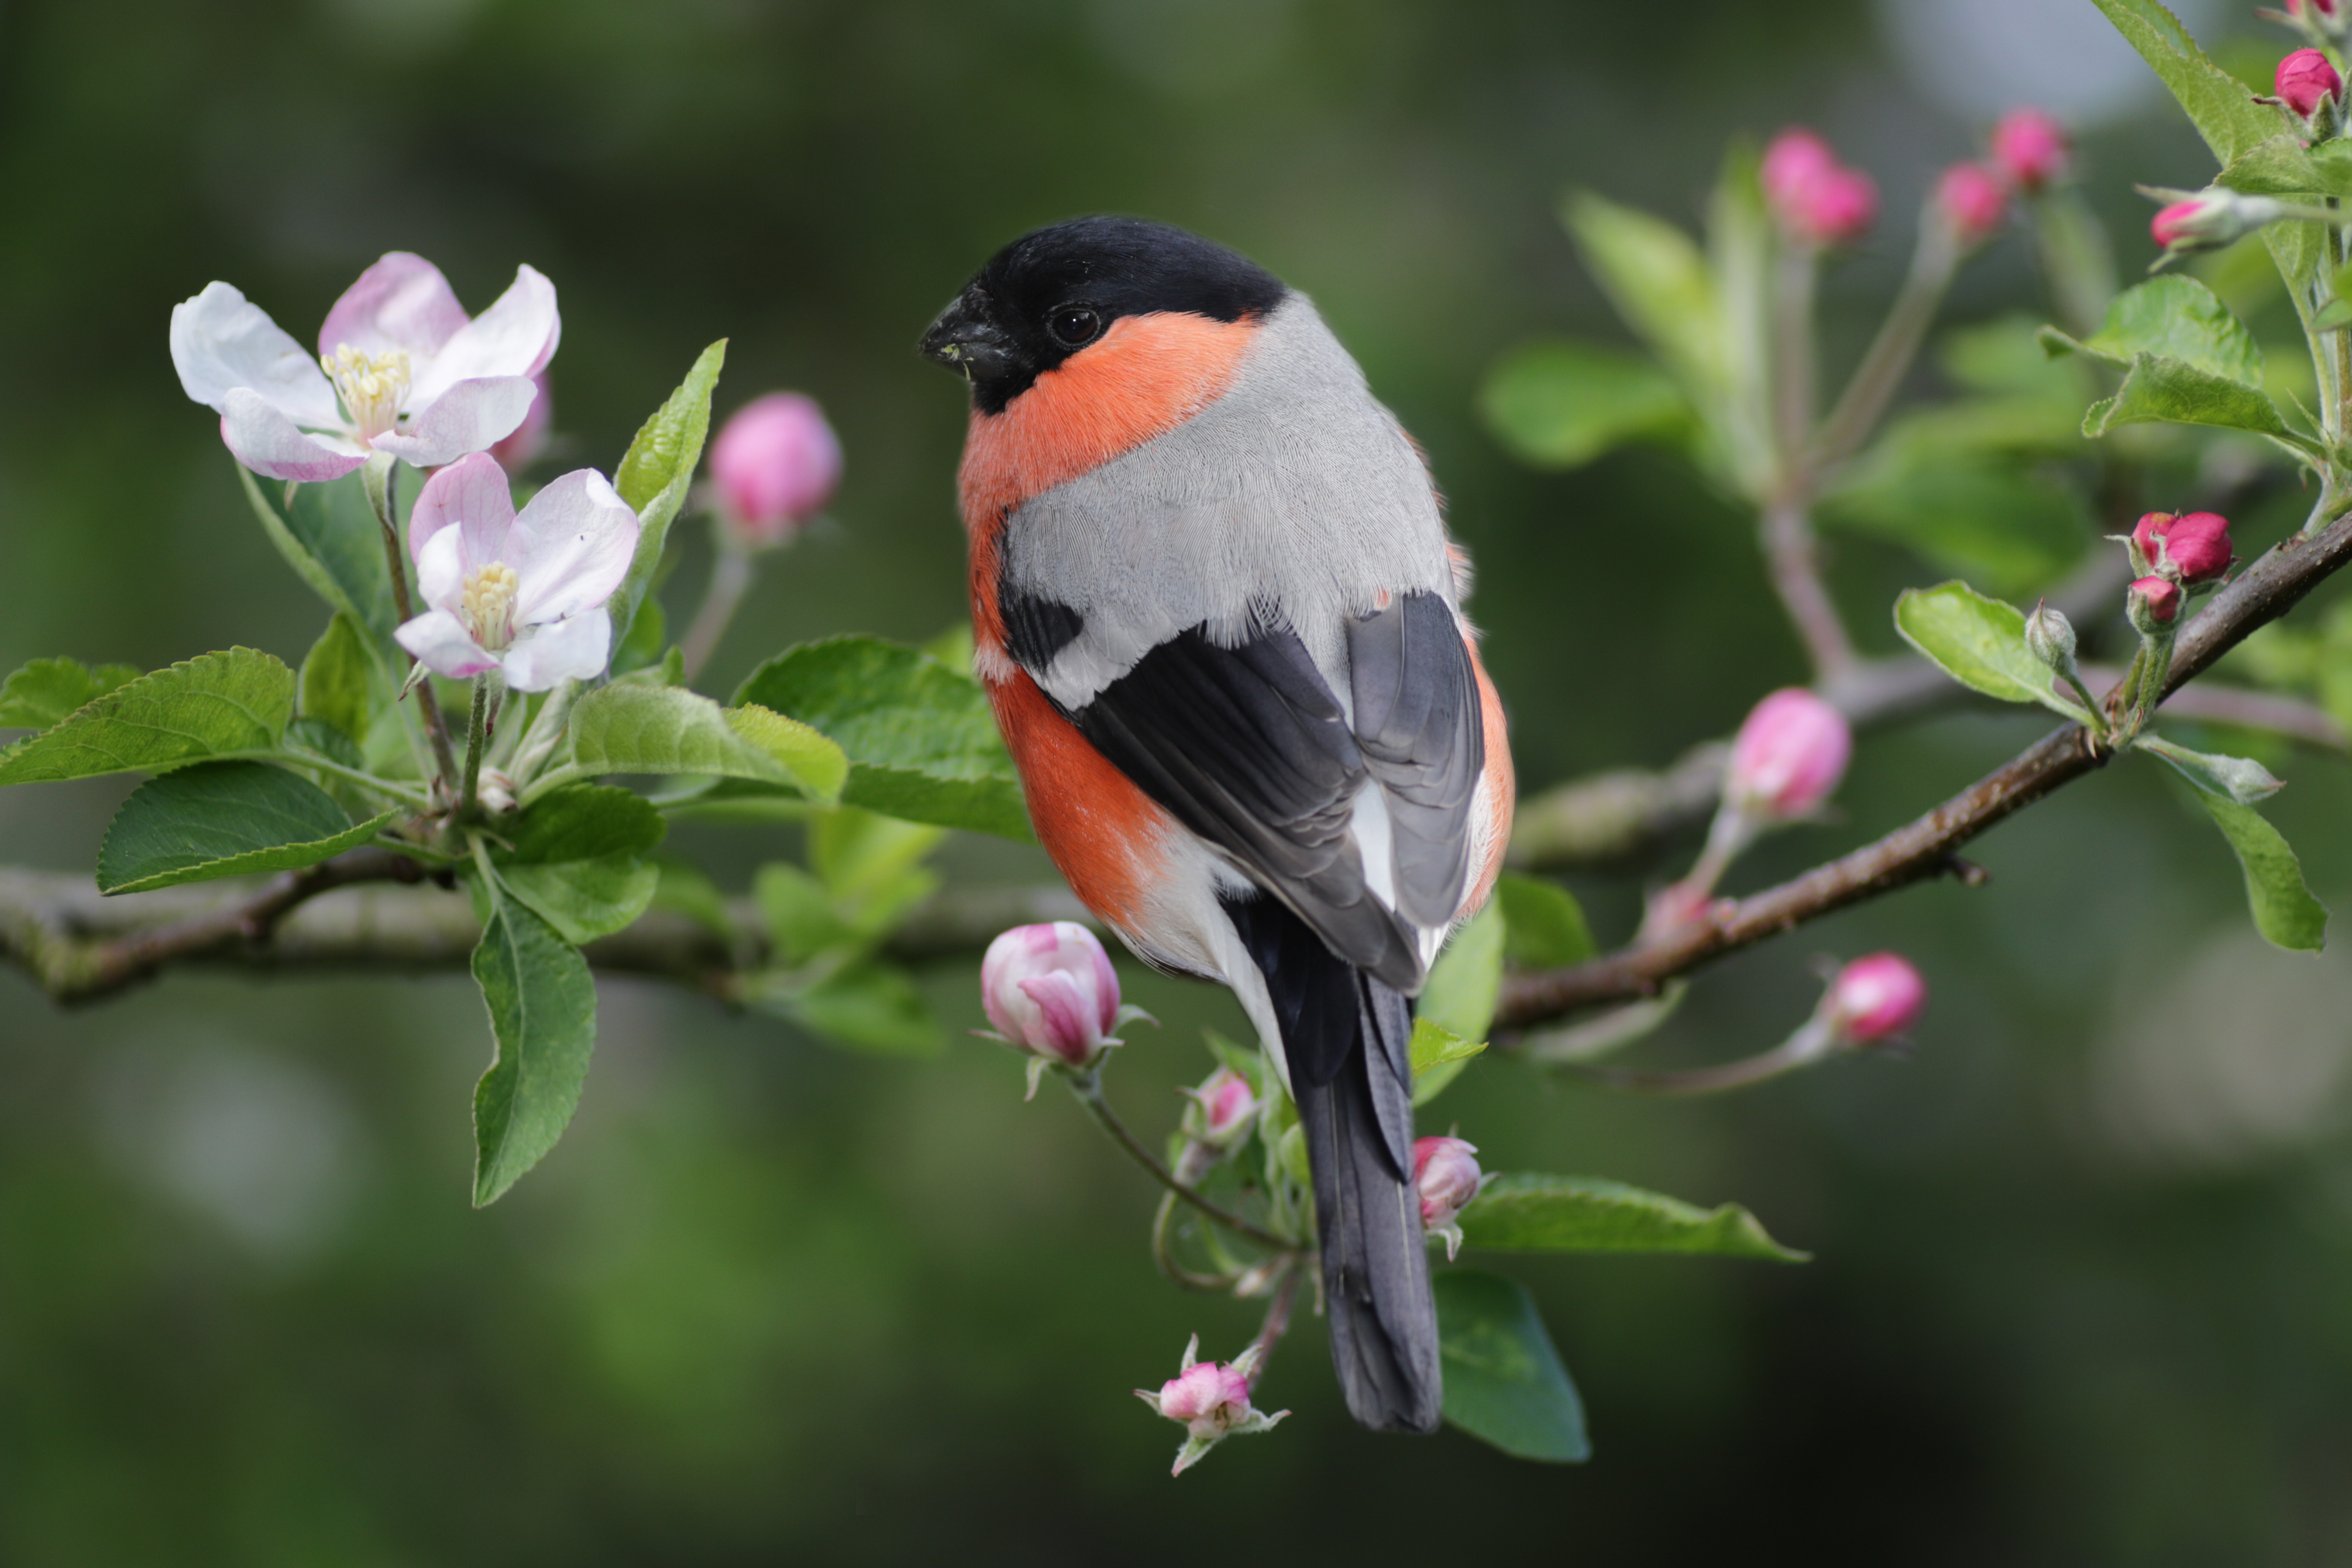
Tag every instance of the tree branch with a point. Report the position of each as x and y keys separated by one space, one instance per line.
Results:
x=1928 y=847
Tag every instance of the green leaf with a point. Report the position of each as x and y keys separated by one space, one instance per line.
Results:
x=797 y=910
x=871 y=866
x=584 y=900
x=2005 y=355
x=870 y=1007
x=218 y=705
x=2283 y=166
x=1658 y=280
x=920 y=739
x=2010 y=526
x=1503 y=1382
x=2218 y=103
x=1978 y=642
x=582 y=822
x=1586 y=1214
x=686 y=889
x=1561 y=405
x=335 y=685
x=2174 y=317
x=656 y=474
x=223 y=819
x=1439 y=1055
x=1467 y=981
x=2242 y=779
x=2158 y=390
x=50 y=691
x=649 y=635
x=2285 y=912
x=329 y=534
x=645 y=729
x=542 y=1005
x=804 y=750
x=1543 y=924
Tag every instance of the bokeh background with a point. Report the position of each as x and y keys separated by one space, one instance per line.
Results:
x=2083 y=1284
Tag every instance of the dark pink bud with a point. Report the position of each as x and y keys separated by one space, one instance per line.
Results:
x=1445 y=1174
x=2306 y=80
x=2153 y=600
x=2326 y=10
x=1789 y=756
x=2196 y=546
x=1874 y=998
x=775 y=464
x=1973 y=201
x=2177 y=224
x=2030 y=148
x=522 y=448
x=1050 y=989
x=1796 y=158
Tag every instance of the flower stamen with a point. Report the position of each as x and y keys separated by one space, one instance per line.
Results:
x=488 y=605
x=372 y=387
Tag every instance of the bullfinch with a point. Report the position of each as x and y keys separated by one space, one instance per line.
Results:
x=1219 y=619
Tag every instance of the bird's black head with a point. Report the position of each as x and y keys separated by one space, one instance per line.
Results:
x=1049 y=294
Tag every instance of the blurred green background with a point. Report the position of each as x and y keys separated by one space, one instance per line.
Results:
x=2084 y=1286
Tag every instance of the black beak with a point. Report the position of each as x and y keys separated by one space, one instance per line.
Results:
x=966 y=339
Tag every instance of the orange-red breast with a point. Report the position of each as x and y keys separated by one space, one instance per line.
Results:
x=1220 y=621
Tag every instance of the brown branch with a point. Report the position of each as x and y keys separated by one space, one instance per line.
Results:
x=1928 y=847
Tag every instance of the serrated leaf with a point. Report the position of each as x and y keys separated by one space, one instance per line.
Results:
x=584 y=900
x=335 y=683
x=2242 y=779
x=2176 y=318
x=2284 y=909
x=218 y=705
x=656 y=474
x=1503 y=1382
x=2283 y=166
x=50 y=691
x=919 y=737
x=1560 y=404
x=1544 y=926
x=1658 y=280
x=646 y=729
x=1586 y=1214
x=1978 y=642
x=2216 y=103
x=805 y=752
x=2160 y=390
x=1439 y=1055
x=581 y=822
x=1467 y=981
x=329 y=534
x=224 y=819
x=542 y=1005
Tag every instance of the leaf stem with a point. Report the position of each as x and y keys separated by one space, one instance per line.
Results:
x=477 y=732
x=376 y=477
x=400 y=792
x=731 y=575
x=1811 y=1043
x=1087 y=1084
x=1888 y=359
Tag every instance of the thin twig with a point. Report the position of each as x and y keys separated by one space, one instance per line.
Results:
x=1793 y=555
x=1088 y=1086
x=377 y=481
x=1927 y=847
x=1277 y=1320
x=731 y=575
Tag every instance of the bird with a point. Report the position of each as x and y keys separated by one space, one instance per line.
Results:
x=1219 y=619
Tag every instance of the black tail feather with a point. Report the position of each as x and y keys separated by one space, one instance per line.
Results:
x=1347 y=1037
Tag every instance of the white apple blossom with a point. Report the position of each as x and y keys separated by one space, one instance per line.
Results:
x=522 y=594
x=401 y=371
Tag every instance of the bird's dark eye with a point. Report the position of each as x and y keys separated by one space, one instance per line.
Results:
x=1073 y=325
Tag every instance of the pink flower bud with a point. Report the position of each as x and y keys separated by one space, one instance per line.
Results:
x=1446 y=1178
x=775 y=464
x=1874 y=998
x=1225 y=1108
x=521 y=449
x=1050 y=991
x=1815 y=199
x=2153 y=602
x=1789 y=756
x=2306 y=80
x=1972 y=200
x=1212 y=1400
x=2196 y=546
x=2211 y=220
x=2030 y=148
x=2323 y=9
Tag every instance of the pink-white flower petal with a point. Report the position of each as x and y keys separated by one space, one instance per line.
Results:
x=472 y=490
x=221 y=341
x=441 y=644
x=470 y=416
x=572 y=649
x=441 y=568
x=264 y=439
x=572 y=547
x=401 y=303
x=516 y=336
x=1064 y=1010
